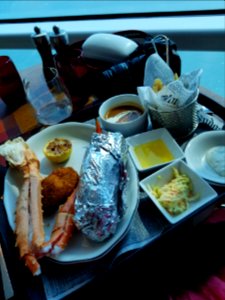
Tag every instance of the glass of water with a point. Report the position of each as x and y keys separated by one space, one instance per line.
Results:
x=48 y=96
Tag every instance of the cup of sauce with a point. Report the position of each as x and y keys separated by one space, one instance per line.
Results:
x=123 y=113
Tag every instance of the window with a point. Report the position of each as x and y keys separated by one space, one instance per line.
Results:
x=197 y=27
x=42 y=9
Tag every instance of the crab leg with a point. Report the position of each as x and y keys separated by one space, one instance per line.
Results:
x=63 y=228
x=36 y=205
x=32 y=263
x=20 y=156
x=22 y=229
x=22 y=219
x=29 y=209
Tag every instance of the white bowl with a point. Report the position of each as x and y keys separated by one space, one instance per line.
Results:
x=163 y=176
x=160 y=135
x=196 y=150
x=126 y=128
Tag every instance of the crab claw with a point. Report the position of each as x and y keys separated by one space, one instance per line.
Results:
x=63 y=228
x=29 y=205
x=14 y=151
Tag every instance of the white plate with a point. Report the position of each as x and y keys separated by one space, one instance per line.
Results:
x=152 y=135
x=161 y=177
x=80 y=248
x=195 y=154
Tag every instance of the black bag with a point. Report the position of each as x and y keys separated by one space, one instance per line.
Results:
x=86 y=77
x=149 y=44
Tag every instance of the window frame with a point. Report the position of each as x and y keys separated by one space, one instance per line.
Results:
x=192 y=30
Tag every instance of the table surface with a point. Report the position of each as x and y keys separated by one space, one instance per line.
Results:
x=54 y=276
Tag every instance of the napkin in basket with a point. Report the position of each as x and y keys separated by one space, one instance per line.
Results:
x=163 y=90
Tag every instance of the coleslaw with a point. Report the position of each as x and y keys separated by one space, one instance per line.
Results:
x=176 y=194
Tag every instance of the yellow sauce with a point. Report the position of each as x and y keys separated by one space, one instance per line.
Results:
x=152 y=153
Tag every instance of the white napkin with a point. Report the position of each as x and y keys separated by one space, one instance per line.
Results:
x=174 y=93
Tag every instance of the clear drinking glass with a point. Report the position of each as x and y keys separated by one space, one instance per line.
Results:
x=49 y=97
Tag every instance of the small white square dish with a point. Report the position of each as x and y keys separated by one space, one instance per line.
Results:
x=153 y=149
x=177 y=198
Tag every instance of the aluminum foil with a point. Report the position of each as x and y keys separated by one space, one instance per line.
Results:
x=99 y=203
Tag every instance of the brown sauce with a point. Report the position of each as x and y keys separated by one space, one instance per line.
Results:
x=125 y=113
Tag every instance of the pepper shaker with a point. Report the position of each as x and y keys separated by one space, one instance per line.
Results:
x=64 y=59
x=60 y=41
x=42 y=43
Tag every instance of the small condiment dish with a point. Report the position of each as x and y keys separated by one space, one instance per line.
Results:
x=202 y=192
x=153 y=149
x=202 y=144
x=123 y=113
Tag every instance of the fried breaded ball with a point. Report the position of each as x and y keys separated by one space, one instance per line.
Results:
x=57 y=186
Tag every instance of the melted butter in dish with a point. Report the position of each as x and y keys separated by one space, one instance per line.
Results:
x=153 y=153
